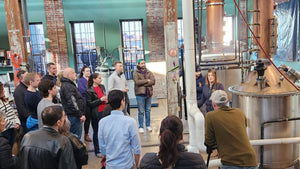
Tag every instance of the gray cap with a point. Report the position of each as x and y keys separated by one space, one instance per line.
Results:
x=219 y=97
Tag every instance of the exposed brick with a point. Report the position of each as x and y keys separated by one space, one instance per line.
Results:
x=56 y=32
x=156 y=42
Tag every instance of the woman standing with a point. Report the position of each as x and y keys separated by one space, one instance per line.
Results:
x=7 y=160
x=12 y=120
x=85 y=73
x=96 y=100
x=211 y=84
x=171 y=153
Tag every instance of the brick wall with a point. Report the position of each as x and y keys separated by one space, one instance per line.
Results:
x=155 y=26
x=156 y=43
x=56 y=32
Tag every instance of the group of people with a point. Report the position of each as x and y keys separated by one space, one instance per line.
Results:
x=225 y=127
x=66 y=105
x=55 y=123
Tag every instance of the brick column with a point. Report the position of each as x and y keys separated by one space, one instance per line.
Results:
x=15 y=28
x=56 y=32
x=155 y=26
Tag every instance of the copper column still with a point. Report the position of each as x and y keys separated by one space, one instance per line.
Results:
x=262 y=18
x=215 y=14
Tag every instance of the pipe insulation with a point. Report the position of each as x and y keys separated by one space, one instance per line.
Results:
x=293 y=140
x=195 y=117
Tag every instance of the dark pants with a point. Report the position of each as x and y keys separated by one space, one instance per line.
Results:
x=95 y=122
x=76 y=126
x=87 y=122
x=10 y=136
x=127 y=105
x=24 y=127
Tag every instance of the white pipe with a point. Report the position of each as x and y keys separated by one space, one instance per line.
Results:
x=195 y=117
x=214 y=163
x=275 y=141
x=217 y=162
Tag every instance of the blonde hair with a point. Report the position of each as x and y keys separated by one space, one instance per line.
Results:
x=29 y=77
x=59 y=75
x=215 y=74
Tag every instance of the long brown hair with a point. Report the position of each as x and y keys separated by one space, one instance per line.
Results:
x=216 y=77
x=91 y=78
x=2 y=90
x=170 y=133
x=82 y=70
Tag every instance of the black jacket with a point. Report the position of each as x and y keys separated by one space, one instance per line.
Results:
x=186 y=160
x=92 y=100
x=7 y=161
x=71 y=98
x=79 y=149
x=19 y=95
x=51 y=78
x=46 y=149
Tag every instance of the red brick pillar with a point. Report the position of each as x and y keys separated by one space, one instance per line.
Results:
x=15 y=28
x=155 y=26
x=56 y=32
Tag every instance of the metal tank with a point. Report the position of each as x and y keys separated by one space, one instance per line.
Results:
x=267 y=96
x=103 y=71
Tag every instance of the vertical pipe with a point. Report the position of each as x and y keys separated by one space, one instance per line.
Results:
x=215 y=14
x=200 y=32
x=195 y=117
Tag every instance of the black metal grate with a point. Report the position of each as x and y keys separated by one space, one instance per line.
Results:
x=84 y=45
x=38 y=46
x=132 y=44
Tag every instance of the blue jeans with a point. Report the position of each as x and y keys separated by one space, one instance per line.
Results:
x=76 y=126
x=235 y=167
x=95 y=122
x=144 y=107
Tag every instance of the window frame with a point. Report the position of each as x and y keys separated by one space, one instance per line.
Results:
x=128 y=73
x=73 y=39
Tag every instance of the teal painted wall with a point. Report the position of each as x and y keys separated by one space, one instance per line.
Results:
x=104 y=13
x=4 y=43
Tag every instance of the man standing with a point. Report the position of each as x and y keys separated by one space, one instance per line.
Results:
x=72 y=101
x=48 y=91
x=19 y=95
x=200 y=82
x=143 y=82
x=226 y=128
x=118 y=136
x=52 y=71
x=46 y=148
x=117 y=81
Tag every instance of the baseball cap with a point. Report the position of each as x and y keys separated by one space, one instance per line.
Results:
x=219 y=96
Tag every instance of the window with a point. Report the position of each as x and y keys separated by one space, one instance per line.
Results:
x=180 y=32
x=228 y=29
x=38 y=47
x=132 y=43
x=83 y=36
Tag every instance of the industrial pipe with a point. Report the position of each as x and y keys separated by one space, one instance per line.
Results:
x=195 y=117
x=293 y=140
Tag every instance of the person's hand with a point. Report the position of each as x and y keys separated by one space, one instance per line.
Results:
x=125 y=90
x=82 y=118
x=148 y=80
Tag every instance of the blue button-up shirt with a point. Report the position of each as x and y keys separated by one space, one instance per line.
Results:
x=119 y=139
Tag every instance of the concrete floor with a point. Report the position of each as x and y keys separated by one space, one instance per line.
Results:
x=149 y=140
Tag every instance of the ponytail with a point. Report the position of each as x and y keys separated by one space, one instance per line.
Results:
x=168 y=153
x=170 y=134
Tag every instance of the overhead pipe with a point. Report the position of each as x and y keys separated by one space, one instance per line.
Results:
x=195 y=117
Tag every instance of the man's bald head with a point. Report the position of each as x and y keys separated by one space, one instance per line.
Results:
x=69 y=73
